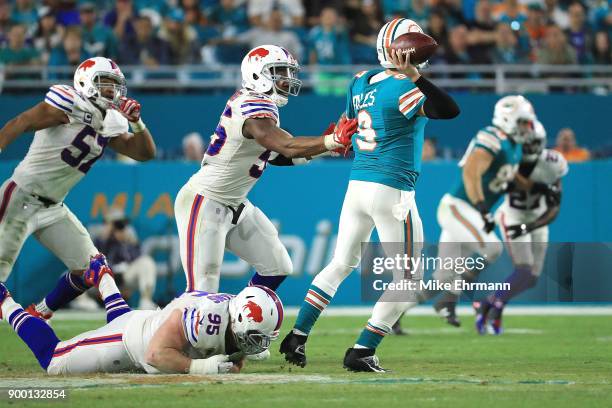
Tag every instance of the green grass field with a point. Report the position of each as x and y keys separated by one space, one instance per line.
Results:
x=540 y=361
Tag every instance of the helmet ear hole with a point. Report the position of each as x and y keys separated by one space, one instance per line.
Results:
x=240 y=317
x=255 y=77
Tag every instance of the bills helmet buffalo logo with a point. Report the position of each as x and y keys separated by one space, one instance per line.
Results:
x=255 y=312
x=258 y=53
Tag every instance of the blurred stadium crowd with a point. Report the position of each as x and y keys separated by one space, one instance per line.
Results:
x=333 y=32
x=214 y=33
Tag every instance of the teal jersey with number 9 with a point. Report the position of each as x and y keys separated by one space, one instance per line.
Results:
x=389 y=141
x=506 y=157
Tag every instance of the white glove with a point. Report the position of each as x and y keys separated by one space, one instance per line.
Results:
x=218 y=364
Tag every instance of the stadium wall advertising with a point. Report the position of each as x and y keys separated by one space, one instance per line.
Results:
x=305 y=202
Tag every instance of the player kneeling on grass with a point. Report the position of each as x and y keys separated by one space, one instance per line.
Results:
x=197 y=333
x=523 y=219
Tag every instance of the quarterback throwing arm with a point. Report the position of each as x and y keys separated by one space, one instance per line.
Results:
x=73 y=126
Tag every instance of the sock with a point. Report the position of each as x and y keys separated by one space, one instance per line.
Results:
x=520 y=280
x=272 y=282
x=115 y=307
x=34 y=332
x=315 y=302
x=68 y=288
x=107 y=286
x=370 y=337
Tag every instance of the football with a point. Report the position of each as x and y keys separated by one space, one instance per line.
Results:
x=420 y=46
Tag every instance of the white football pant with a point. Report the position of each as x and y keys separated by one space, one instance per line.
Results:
x=56 y=227
x=395 y=216
x=463 y=236
x=207 y=228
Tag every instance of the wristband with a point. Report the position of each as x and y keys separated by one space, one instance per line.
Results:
x=138 y=127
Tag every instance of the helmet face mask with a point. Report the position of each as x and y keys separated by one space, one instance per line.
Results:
x=253 y=341
x=110 y=89
x=284 y=77
x=524 y=130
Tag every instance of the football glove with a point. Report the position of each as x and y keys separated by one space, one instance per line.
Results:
x=515 y=231
x=487 y=217
x=130 y=108
x=341 y=136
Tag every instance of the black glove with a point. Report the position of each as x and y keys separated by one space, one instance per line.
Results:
x=487 y=217
x=515 y=231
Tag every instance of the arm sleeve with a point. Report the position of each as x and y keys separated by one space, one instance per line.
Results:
x=439 y=104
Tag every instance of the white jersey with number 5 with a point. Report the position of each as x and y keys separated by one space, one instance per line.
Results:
x=520 y=206
x=60 y=156
x=205 y=318
x=232 y=163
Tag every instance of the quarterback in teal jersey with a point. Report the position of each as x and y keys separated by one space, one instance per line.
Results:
x=489 y=164
x=392 y=106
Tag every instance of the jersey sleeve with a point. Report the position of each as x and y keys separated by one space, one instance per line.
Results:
x=487 y=141
x=257 y=106
x=191 y=324
x=61 y=97
x=410 y=102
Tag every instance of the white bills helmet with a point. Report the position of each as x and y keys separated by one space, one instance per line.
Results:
x=515 y=116
x=535 y=143
x=388 y=33
x=88 y=81
x=272 y=70
x=256 y=314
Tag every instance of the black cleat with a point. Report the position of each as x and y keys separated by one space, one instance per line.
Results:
x=447 y=311
x=293 y=347
x=362 y=360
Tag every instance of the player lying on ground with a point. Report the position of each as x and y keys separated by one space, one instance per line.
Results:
x=212 y=210
x=392 y=106
x=523 y=218
x=73 y=127
x=197 y=333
